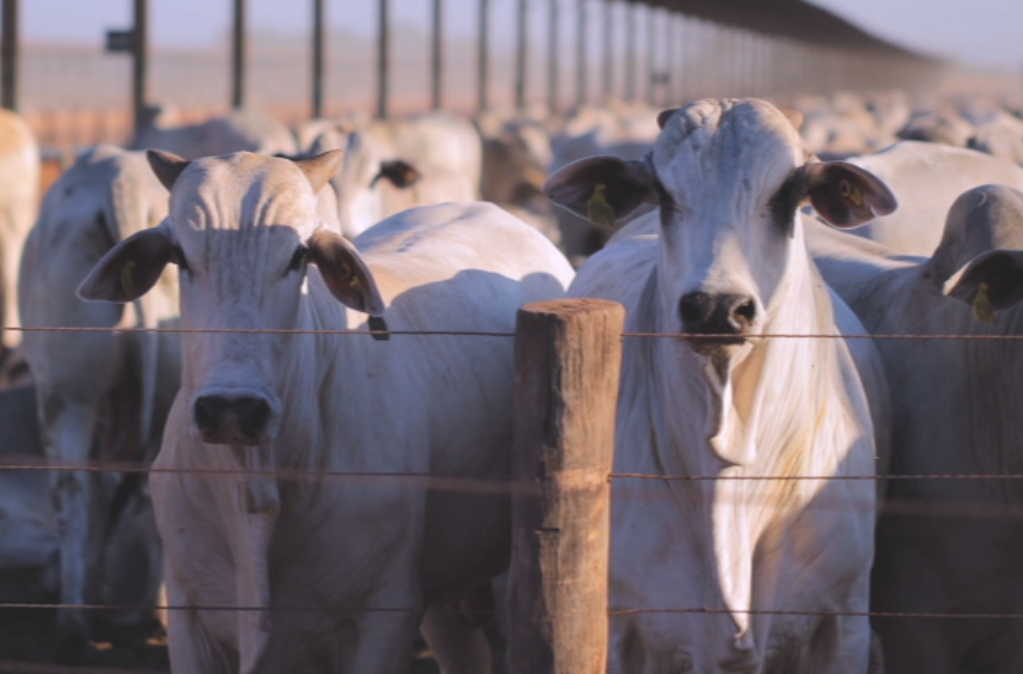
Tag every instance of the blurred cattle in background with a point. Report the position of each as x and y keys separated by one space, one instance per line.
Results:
x=239 y=130
x=101 y=395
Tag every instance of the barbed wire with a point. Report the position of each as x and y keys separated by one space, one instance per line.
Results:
x=704 y=610
x=484 y=333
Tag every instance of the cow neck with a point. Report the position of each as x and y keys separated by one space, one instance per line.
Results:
x=762 y=418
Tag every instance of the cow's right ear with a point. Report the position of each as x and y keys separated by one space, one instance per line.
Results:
x=603 y=189
x=989 y=282
x=130 y=268
x=345 y=273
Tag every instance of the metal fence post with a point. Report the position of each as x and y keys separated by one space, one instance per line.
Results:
x=609 y=54
x=383 y=54
x=319 y=44
x=520 y=57
x=140 y=60
x=553 y=55
x=437 y=55
x=483 y=56
x=10 y=55
x=582 y=54
x=567 y=367
x=238 y=56
x=630 y=51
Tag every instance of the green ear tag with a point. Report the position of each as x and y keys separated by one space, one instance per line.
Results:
x=597 y=208
x=377 y=324
x=982 y=309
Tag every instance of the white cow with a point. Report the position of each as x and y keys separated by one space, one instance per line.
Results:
x=926 y=178
x=356 y=562
x=730 y=260
x=947 y=546
x=239 y=130
x=101 y=395
x=19 y=204
x=370 y=187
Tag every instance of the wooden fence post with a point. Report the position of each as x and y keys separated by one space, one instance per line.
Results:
x=567 y=366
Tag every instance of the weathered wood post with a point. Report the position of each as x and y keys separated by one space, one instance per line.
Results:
x=567 y=367
x=10 y=46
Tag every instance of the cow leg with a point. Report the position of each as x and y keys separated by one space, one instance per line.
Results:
x=79 y=503
x=841 y=645
x=459 y=646
x=190 y=647
x=384 y=642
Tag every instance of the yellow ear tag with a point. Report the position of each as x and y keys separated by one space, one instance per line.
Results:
x=853 y=194
x=127 y=284
x=857 y=196
x=982 y=309
x=597 y=208
x=354 y=283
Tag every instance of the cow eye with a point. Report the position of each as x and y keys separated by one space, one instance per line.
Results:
x=298 y=259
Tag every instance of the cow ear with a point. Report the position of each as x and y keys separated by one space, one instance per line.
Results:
x=795 y=117
x=321 y=168
x=602 y=189
x=399 y=173
x=844 y=195
x=662 y=119
x=989 y=282
x=345 y=273
x=167 y=167
x=130 y=268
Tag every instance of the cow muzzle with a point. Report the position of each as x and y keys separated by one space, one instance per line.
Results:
x=731 y=317
x=233 y=418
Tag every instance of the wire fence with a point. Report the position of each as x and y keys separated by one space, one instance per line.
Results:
x=506 y=486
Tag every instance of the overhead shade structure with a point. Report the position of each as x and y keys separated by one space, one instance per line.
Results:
x=794 y=19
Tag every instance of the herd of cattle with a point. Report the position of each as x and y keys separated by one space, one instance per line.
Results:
x=727 y=228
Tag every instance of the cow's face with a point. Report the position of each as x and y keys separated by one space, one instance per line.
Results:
x=728 y=177
x=242 y=229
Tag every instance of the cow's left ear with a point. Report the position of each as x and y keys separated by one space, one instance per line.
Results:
x=989 y=282
x=129 y=269
x=602 y=189
x=399 y=173
x=845 y=195
x=345 y=273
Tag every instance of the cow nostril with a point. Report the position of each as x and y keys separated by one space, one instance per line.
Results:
x=207 y=409
x=694 y=308
x=253 y=415
x=745 y=312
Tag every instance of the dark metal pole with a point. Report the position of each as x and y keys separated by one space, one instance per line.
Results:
x=609 y=52
x=437 y=64
x=318 y=48
x=483 y=67
x=238 y=56
x=140 y=59
x=383 y=52
x=520 y=58
x=651 y=55
x=10 y=47
x=582 y=64
x=553 y=48
x=630 y=51
x=670 y=71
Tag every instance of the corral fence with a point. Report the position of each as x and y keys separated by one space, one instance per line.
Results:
x=568 y=359
x=555 y=54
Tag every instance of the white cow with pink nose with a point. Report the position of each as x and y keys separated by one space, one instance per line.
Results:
x=727 y=258
x=352 y=564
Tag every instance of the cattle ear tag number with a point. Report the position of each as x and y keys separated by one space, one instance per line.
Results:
x=982 y=309
x=597 y=208
x=378 y=324
x=853 y=194
x=127 y=285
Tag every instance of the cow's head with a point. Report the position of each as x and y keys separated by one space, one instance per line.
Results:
x=243 y=229
x=728 y=177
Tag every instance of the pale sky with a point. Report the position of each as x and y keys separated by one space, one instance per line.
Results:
x=986 y=33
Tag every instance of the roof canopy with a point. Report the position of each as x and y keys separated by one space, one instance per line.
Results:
x=793 y=19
